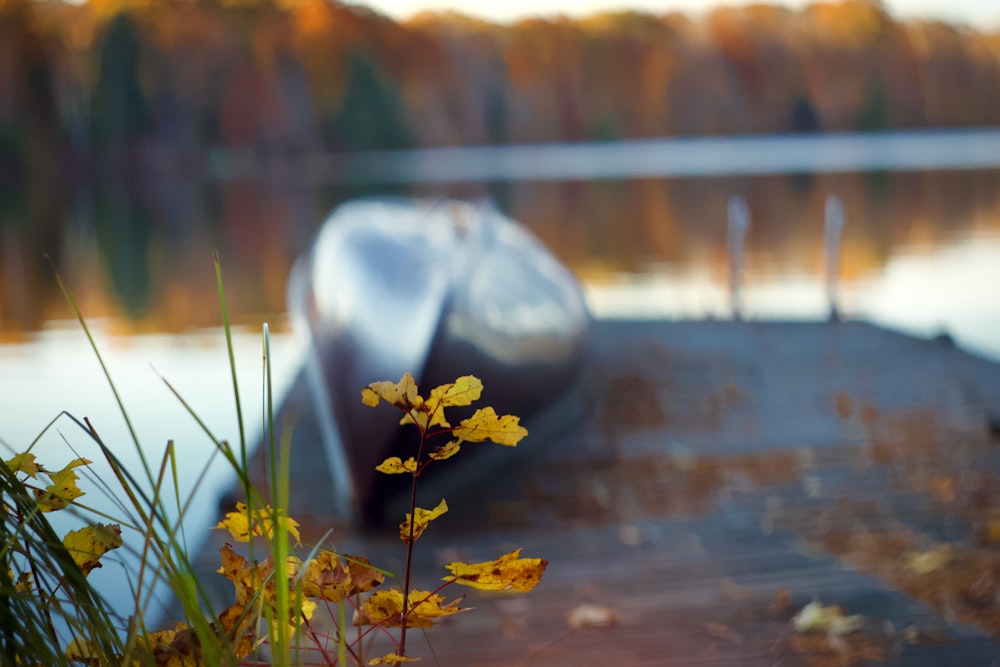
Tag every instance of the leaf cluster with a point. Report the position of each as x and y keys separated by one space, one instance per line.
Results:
x=43 y=585
x=429 y=418
x=412 y=607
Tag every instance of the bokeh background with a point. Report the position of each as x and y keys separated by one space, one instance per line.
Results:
x=136 y=137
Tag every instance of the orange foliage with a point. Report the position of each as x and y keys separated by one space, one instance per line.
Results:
x=627 y=74
x=267 y=79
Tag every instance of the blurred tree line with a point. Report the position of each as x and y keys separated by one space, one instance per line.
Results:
x=164 y=80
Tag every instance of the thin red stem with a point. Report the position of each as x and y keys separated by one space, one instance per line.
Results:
x=409 y=548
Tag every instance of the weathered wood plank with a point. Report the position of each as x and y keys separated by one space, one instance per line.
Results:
x=707 y=481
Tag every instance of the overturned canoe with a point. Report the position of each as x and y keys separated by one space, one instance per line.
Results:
x=437 y=289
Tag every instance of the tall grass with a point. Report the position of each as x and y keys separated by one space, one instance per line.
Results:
x=34 y=621
x=62 y=607
x=51 y=613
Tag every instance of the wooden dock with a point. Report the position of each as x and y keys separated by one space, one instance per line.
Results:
x=709 y=480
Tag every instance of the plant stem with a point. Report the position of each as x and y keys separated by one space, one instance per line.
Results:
x=409 y=546
x=409 y=561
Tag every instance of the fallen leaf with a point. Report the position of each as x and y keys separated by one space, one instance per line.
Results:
x=925 y=562
x=591 y=616
x=815 y=617
x=391 y=659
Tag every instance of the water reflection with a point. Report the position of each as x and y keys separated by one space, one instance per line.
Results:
x=930 y=290
x=143 y=254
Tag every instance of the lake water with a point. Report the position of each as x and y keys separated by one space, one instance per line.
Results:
x=642 y=224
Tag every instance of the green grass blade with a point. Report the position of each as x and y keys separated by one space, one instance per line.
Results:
x=107 y=374
x=232 y=364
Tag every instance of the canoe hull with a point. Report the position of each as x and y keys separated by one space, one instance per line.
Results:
x=439 y=290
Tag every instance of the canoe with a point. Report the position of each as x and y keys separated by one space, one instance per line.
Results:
x=438 y=289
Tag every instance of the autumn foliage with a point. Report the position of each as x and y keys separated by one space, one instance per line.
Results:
x=228 y=116
x=174 y=78
x=509 y=572
x=278 y=600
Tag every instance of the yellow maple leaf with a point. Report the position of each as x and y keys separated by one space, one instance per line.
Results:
x=397 y=466
x=445 y=451
x=391 y=659
x=381 y=608
x=423 y=517
x=463 y=391
x=486 y=425
x=247 y=581
x=238 y=625
x=402 y=394
x=507 y=573
x=88 y=544
x=259 y=522
x=466 y=390
x=63 y=489
x=385 y=608
x=330 y=578
x=255 y=587
x=25 y=463
x=364 y=576
x=427 y=607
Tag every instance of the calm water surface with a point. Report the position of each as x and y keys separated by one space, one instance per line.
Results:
x=57 y=371
x=920 y=253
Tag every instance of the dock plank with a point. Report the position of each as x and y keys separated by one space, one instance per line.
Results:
x=705 y=482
